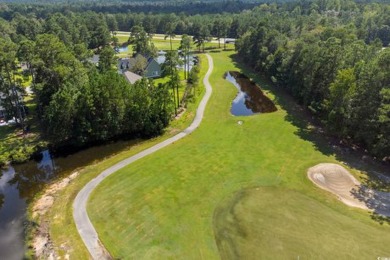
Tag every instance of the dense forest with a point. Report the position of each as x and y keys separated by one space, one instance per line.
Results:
x=333 y=60
x=330 y=55
x=77 y=103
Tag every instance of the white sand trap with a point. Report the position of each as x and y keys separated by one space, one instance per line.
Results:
x=337 y=180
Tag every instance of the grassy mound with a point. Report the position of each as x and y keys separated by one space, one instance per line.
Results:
x=269 y=222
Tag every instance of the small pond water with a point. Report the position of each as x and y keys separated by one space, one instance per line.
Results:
x=19 y=184
x=250 y=99
x=123 y=49
x=193 y=60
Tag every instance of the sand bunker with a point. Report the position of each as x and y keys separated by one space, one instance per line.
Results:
x=334 y=178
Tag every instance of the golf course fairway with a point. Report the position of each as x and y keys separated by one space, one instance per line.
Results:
x=232 y=191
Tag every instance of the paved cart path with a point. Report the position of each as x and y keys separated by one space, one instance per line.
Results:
x=80 y=215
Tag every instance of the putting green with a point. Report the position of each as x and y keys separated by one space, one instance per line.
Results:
x=262 y=222
x=163 y=205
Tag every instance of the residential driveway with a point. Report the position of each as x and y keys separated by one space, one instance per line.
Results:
x=83 y=223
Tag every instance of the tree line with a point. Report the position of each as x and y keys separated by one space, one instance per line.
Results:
x=77 y=102
x=331 y=56
x=371 y=24
x=43 y=9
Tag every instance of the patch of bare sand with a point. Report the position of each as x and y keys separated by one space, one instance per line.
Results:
x=337 y=180
x=41 y=243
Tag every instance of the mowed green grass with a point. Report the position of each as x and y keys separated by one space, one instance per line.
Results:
x=63 y=233
x=165 y=44
x=163 y=206
x=261 y=222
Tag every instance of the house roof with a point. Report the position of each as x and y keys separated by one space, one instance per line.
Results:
x=160 y=59
x=94 y=59
x=131 y=77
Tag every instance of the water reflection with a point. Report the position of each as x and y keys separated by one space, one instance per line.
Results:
x=12 y=211
x=20 y=183
x=250 y=99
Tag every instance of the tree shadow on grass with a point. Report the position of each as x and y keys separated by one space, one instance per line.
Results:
x=376 y=200
x=7 y=132
x=311 y=129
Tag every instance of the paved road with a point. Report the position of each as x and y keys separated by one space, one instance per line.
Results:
x=80 y=215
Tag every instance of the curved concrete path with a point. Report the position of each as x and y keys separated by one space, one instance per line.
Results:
x=80 y=215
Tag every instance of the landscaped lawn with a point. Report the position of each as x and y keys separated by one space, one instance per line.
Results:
x=245 y=185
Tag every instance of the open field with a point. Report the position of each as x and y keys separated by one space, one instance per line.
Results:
x=164 y=44
x=176 y=202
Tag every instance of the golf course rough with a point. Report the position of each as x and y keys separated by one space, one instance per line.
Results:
x=165 y=205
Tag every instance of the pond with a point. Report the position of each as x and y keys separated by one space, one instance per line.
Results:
x=250 y=99
x=20 y=183
x=193 y=60
x=123 y=49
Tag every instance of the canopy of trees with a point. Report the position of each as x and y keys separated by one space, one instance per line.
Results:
x=330 y=55
x=77 y=102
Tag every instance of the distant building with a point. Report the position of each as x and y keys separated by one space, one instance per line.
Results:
x=131 y=77
x=230 y=40
x=3 y=98
x=94 y=59
x=125 y=64
x=24 y=66
x=152 y=68
x=2 y=111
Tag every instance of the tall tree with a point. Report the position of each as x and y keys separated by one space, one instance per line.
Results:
x=201 y=36
x=342 y=91
x=26 y=53
x=142 y=42
x=106 y=59
x=170 y=27
x=220 y=27
x=185 y=48
x=170 y=67
x=10 y=88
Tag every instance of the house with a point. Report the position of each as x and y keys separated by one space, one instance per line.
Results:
x=2 y=112
x=151 y=70
x=24 y=66
x=131 y=77
x=125 y=64
x=3 y=104
x=230 y=40
x=94 y=59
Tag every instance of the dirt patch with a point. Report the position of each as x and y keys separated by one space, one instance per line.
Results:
x=42 y=245
x=337 y=180
x=180 y=112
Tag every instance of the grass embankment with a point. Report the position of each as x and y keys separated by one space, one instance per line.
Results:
x=164 y=206
x=63 y=232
